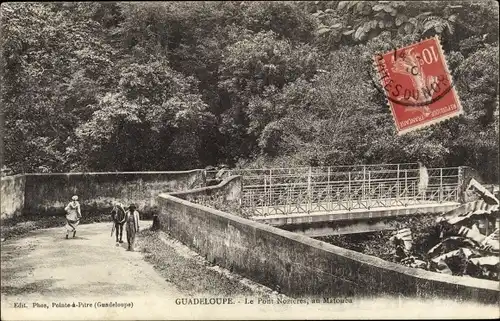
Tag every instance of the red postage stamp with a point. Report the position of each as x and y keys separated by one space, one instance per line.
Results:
x=418 y=85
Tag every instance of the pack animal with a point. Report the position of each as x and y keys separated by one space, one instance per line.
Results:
x=118 y=215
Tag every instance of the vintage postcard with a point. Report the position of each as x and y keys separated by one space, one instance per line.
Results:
x=264 y=160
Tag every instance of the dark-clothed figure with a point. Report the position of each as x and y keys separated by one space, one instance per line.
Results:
x=118 y=216
x=73 y=216
x=132 y=225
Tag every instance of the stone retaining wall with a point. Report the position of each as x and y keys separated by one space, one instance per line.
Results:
x=297 y=265
x=48 y=194
x=12 y=195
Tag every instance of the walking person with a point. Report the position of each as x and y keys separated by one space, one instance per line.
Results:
x=132 y=227
x=73 y=216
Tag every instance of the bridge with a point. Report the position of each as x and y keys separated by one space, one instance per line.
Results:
x=314 y=200
x=41 y=267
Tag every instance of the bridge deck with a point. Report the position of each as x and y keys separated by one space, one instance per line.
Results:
x=356 y=214
x=337 y=189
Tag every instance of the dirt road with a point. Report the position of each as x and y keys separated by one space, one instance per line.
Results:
x=46 y=277
x=90 y=264
x=46 y=267
x=44 y=274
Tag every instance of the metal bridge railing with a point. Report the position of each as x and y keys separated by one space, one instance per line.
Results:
x=311 y=189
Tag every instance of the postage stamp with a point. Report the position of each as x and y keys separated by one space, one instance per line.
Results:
x=418 y=85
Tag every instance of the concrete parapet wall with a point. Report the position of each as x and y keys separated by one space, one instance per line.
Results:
x=49 y=193
x=229 y=189
x=301 y=266
x=12 y=195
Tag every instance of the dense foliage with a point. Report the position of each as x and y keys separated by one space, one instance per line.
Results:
x=458 y=249
x=176 y=85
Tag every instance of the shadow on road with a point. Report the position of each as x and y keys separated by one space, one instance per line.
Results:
x=33 y=287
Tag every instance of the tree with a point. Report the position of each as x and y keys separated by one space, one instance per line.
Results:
x=348 y=22
x=136 y=86
x=55 y=61
x=155 y=108
x=253 y=66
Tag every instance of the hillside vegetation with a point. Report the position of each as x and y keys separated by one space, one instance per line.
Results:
x=175 y=85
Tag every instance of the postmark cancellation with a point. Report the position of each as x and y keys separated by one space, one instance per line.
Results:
x=418 y=85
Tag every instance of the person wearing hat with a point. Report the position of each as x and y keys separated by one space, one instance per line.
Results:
x=132 y=227
x=73 y=216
